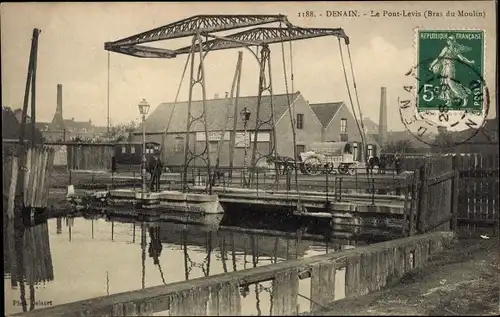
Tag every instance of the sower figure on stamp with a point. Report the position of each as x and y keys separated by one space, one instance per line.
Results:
x=444 y=66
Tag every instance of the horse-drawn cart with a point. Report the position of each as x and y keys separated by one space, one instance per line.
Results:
x=328 y=157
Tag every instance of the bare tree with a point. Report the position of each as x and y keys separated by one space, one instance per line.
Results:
x=400 y=146
x=120 y=132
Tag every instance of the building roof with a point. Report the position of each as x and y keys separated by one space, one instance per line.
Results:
x=42 y=125
x=326 y=111
x=488 y=133
x=216 y=113
x=370 y=125
x=77 y=125
x=11 y=126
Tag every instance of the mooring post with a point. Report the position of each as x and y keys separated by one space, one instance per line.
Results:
x=454 y=193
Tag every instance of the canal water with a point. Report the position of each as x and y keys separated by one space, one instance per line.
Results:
x=71 y=259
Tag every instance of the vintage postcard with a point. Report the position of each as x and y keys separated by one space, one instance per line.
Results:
x=250 y=158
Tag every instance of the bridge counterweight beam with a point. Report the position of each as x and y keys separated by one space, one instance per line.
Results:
x=190 y=154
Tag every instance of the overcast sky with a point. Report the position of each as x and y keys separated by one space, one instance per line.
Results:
x=71 y=52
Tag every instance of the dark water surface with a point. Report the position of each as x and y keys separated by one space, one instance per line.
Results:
x=70 y=259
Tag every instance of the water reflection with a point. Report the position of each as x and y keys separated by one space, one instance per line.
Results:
x=27 y=260
x=97 y=257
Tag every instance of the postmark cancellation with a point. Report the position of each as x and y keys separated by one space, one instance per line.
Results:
x=446 y=89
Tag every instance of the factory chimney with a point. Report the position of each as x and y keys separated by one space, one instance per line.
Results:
x=59 y=101
x=57 y=121
x=382 y=120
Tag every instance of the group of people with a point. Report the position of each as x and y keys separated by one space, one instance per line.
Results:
x=383 y=161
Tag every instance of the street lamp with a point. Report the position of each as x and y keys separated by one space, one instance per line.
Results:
x=143 y=109
x=245 y=116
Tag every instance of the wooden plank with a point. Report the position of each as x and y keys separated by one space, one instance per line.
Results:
x=7 y=176
x=440 y=178
x=454 y=194
x=422 y=196
x=29 y=156
x=47 y=183
x=12 y=187
x=41 y=176
x=35 y=163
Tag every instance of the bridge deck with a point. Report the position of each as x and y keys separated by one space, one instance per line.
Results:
x=351 y=203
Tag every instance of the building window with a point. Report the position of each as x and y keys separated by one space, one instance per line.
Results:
x=300 y=121
x=124 y=149
x=343 y=125
x=355 y=150
x=179 y=144
x=84 y=129
x=132 y=149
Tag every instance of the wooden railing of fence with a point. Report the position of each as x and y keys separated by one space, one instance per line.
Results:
x=478 y=189
x=367 y=269
x=26 y=173
x=453 y=188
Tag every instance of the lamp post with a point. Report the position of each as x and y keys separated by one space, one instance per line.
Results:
x=143 y=109
x=245 y=116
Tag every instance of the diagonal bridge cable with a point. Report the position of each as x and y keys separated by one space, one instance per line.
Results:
x=361 y=132
x=167 y=127
x=294 y=134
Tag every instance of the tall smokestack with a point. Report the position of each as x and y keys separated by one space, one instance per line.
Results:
x=59 y=101
x=382 y=120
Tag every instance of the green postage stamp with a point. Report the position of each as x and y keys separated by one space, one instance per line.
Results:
x=450 y=70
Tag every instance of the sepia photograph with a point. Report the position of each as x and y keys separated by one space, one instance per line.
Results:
x=255 y=158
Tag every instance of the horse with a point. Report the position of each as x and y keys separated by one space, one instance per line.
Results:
x=217 y=174
x=282 y=163
x=381 y=162
x=154 y=166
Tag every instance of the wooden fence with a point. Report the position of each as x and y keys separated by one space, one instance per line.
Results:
x=89 y=156
x=448 y=189
x=34 y=164
x=478 y=189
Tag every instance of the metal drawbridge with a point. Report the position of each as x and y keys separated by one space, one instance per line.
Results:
x=257 y=39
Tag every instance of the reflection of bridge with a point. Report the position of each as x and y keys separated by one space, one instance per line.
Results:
x=230 y=245
x=27 y=258
x=240 y=243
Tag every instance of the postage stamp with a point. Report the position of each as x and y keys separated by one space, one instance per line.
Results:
x=450 y=62
x=446 y=90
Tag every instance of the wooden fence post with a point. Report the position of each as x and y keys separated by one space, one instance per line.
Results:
x=422 y=196
x=454 y=193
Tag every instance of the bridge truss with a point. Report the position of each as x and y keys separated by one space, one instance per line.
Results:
x=202 y=29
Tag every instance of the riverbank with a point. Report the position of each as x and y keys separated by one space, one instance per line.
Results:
x=462 y=280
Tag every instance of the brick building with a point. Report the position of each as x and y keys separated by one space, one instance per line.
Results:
x=314 y=123
x=61 y=129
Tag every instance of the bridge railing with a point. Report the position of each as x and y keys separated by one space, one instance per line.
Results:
x=357 y=181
